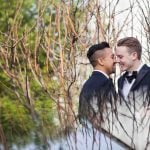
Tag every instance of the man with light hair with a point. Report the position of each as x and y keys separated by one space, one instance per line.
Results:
x=134 y=91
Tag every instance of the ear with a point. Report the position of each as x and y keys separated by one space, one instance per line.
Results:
x=100 y=61
x=134 y=55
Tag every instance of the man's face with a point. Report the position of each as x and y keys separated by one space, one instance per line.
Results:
x=109 y=61
x=124 y=58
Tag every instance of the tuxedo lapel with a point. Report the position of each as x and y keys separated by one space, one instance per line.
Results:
x=120 y=85
x=140 y=76
x=121 y=81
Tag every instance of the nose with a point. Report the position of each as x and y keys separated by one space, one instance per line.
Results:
x=116 y=59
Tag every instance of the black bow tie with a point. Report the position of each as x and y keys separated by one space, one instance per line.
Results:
x=131 y=77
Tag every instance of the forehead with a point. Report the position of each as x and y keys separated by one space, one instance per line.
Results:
x=122 y=50
x=108 y=51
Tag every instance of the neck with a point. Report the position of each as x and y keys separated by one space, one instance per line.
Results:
x=135 y=66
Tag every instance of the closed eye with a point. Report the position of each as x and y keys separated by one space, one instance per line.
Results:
x=112 y=56
x=119 y=56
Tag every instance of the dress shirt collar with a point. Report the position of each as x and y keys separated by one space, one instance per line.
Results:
x=139 y=68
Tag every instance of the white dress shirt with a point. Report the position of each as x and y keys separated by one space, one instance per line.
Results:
x=127 y=86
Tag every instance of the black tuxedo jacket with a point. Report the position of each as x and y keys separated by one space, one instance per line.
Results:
x=141 y=83
x=96 y=91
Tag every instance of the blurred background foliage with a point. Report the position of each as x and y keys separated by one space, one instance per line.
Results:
x=43 y=62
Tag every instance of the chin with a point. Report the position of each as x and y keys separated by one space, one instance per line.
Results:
x=122 y=69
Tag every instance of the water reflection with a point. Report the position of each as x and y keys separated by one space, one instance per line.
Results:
x=86 y=138
x=44 y=134
x=83 y=138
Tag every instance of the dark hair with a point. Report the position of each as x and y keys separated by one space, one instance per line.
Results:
x=97 y=47
x=133 y=45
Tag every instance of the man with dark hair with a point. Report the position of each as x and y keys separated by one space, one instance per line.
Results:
x=98 y=89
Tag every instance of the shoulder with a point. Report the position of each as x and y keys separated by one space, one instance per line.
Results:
x=97 y=77
x=145 y=71
x=146 y=67
x=95 y=82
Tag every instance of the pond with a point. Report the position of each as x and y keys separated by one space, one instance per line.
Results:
x=81 y=138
